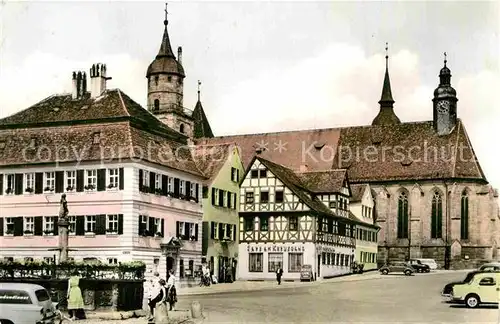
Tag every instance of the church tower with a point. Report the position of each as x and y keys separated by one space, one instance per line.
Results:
x=165 y=87
x=386 y=115
x=444 y=103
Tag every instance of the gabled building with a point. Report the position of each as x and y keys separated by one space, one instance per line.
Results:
x=222 y=166
x=290 y=219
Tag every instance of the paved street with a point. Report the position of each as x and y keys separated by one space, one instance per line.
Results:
x=388 y=299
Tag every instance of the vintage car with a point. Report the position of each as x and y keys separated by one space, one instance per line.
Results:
x=306 y=273
x=419 y=266
x=483 y=288
x=397 y=266
x=25 y=303
x=430 y=262
x=490 y=266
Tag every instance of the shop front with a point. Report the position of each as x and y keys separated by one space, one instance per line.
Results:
x=332 y=260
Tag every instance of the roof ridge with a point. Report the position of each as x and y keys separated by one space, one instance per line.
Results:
x=123 y=103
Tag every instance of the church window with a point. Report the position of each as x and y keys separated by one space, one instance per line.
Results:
x=181 y=128
x=464 y=216
x=156 y=105
x=403 y=215
x=437 y=216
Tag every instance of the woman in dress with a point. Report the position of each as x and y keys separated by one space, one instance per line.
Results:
x=75 y=299
x=172 y=292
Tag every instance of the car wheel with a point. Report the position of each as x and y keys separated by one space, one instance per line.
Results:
x=472 y=301
x=408 y=272
x=385 y=271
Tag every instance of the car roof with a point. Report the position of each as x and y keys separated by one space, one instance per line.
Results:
x=18 y=285
x=491 y=264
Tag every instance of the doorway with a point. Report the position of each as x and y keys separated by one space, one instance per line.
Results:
x=170 y=265
x=319 y=266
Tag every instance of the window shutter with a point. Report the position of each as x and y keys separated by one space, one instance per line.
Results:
x=1 y=226
x=235 y=202
x=188 y=189
x=234 y=232
x=120 y=222
x=221 y=197
x=187 y=233
x=121 y=179
x=59 y=181
x=229 y=199
x=80 y=224
x=18 y=226
x=141 y=179
x=80 y=179
x=152 y=178
x=164 y=185
x=141 y=226
x=100 y=225
x=177 y=229
x=151 y=227
x=213 y=197
x=212 y=230
x=196 y=232
x=19 y=184
x=56 y=225
x=163 y=227
x=221 y=231
x=237 y=175
x=176 y=187
x=197 y=192
x=1 y=184
x=38 y=225
x=101 y=180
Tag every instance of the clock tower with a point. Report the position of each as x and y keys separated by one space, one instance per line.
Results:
x=445 y=103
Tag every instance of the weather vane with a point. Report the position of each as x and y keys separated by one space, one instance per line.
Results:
x=445 y=59
x=199 y=84
x=386 y=54
x=166 y=13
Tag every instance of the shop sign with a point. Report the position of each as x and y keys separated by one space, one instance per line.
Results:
x=276 y=248
x=326 y=249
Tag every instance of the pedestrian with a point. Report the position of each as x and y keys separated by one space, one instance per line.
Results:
x=279 y=273
x=172 y=291
x=75 y=299
x=153 y=293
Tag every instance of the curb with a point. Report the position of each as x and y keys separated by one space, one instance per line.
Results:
x=179 y=316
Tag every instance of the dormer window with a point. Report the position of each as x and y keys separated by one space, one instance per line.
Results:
x=97 y=137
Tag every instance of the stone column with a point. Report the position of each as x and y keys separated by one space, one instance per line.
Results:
x=63 y=225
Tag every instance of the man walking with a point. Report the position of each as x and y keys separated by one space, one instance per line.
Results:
x=279 y=273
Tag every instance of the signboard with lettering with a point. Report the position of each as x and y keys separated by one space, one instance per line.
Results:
x=276 y=248
x=326 y=249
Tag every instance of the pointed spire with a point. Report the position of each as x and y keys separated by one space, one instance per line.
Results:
x=199 y=84
x=165 y=48
x=386 y=97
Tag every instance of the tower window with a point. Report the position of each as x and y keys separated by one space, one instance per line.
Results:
x=156 y=80
x=169 y=78
x=181 y=128
x=156 y=105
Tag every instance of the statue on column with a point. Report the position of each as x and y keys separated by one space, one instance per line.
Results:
x=63 y=211
x=63 y=224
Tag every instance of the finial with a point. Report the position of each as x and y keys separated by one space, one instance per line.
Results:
x=166 y=14
x=386 y=55
x=199 y=84
x=445 y=59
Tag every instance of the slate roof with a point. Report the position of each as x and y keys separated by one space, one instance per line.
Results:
x=201 y=125
x=324 y=149
x=211 y=158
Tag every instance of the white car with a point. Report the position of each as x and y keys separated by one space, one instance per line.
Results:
x=430 y=262
x=22 y=303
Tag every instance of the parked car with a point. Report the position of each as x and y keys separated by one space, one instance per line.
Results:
x=430 y=262
x=397 y=267
x=490 y=266
x=25 y=303
x=482 y=289
x=448 y=288
x=306 y=273
x=419 y=266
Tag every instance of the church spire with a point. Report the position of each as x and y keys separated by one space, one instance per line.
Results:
x=199 y=84
x=165 y=48
x=202 y=127
x=386 y=115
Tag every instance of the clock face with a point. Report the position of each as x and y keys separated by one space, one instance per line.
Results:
x=443 y=106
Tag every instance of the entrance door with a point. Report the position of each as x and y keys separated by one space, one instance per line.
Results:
x=235 y=263
x=319 y=267
x=170 y=265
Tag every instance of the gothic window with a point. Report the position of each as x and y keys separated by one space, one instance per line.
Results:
x=181 y=128
x=156 y=105
x=403 y=215
x=437 y=215
x=464 y=216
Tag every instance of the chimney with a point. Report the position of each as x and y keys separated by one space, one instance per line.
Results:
x=98 y=79
x=79 y=85
x=179 y=55
x=303 y=168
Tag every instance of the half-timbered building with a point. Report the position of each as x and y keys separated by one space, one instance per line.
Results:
x=290 y=219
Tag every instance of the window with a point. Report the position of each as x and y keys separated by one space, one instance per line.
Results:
x=112 y=224
x=48 y=225
x=255 y=262
x=183 y=187
x=156 y=104
x=49 y=181
x=192 y=190
x=169 y=78
x=225 y=201
x=113 y=177
x=90 y=224
x=234 y=175
x=145 y=179
x=275 y=262
x=169 y=184
x=293 y=223
x=112 y=261
x=249 y=199
x=264 y=223
x=264 y=197
x=29 y=185
x=145 y=224
x=29 y=225
x=9 y=226
x=403 y=215
x=332 y=204
x=90 y=179
x=254 y=174
x=157 y=227
x=295 y=262
x=157 y=181
x=10 y=183
x=70 y=180
x=181 y=128
x=263 y=173
x=72 y=224
x=464 y=216
x=248 y=224
x=437 y=215
x=278 y=198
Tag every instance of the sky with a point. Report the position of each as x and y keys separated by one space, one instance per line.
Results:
x=268 y=66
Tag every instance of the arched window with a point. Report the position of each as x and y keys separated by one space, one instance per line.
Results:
x=181 y=128
x=403 y=215
x=437 y=216
x=156 y=80
x=464 y=216
x=156 y=105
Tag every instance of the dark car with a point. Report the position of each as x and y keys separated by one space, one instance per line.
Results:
x=397 y=267
x=419 y=266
